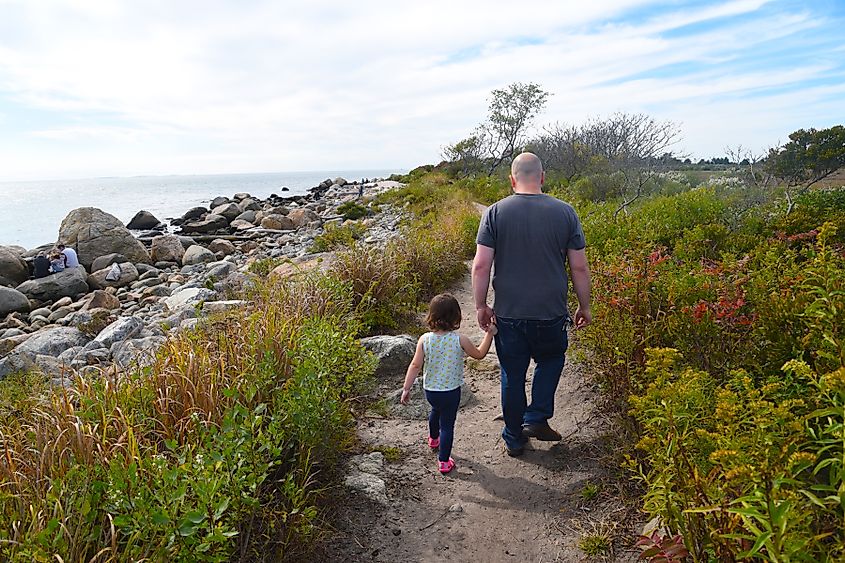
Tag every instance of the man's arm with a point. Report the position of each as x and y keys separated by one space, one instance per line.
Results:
x=481 y=266
x=580 y=272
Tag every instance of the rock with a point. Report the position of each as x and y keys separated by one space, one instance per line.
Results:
x=340 y=181
x=122 y=329
x=418 y=408
x=227 y=210
x=394 y=353
x=222 y=245
x=248 y=216
x=241 y=225
x=145 y=268
x=128 y=274
x=59 y=314
x=167 y=248
x=100 y=299
x=139 y=351
x=241 y=196
x=220 y=270
x=302 y=217
x=218 y=201
x=187 y=297
x=364 y=477
x=52 y=341
x=12 y=300
x=197 y=255
x=143 y=220
x=210 y=307
x=40 y=312
x=210 y=224
x=14 y=363
x=194 y=213
x=95 y=233
x=63 y=302
x=68 y=283
x=278 y=223
x=248 y=205
x=107 y=260
x=12 y=267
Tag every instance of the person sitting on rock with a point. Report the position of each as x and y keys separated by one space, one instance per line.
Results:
x=57 y=262
x=70 y=258
x=40 y=266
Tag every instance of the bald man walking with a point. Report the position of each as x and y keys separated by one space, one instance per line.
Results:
x=530 y=237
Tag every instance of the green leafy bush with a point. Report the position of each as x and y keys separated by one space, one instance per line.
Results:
x=337 y=236
x=352 y=211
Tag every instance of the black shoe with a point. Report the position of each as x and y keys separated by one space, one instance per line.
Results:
x=542 y=432
x=515 y=452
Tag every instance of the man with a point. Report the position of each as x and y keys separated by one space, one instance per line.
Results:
x=530 y=236
x=70 y=258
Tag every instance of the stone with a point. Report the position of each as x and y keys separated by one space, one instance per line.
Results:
x=128 y=274
x=143 y=220
x=122 y=329
x=211 y=307
x=222 y=245
x=241 y=196
x=12 y=267
x=146 y=268
x=139 y=351
x=68 y=283
x=364 y=476
x=194 y=213
x=394 y=353
x=302 y=217
x=248 y=205
x=94 y=233
x=107 y=260
x=241 y=225
x=15 y=363
x=277 y=223
x=59 y=314
x=12 y=300
x=52 y=341
x=220 y=270
x=340 y=181
x=210 y=224
x=227 y=210
x=167 y=248
x=197 y=254
x=188 y=297
x=63 y=302
x=248 y=216
x=218 y=201
x=100 y=299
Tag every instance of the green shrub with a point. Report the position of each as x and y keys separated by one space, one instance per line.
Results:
x=352 y=211
x=263 y=266
x=337 y=236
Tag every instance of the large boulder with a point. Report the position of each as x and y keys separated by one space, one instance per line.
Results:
x=194 y=213
x=107 y=260
x=210 y=224
x=278 y=223
x=67 y=283
x=143 y=220
x=52 y=341
x=122 y=329
x=95 y=233
x=13 y=269
x=227 y=210
x=197 y=254
x=188 y=297
x=302 y=217
x=100 y=299
x=138 y=351
x=128 y=274
x=167 y=248
x=394 y=353
x=11 y=301
x=222 y=245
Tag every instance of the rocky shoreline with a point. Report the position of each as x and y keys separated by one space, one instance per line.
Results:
x=82 y=319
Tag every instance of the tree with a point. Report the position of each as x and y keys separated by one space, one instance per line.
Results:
x=561 y=148
x=810 y=156
x=469 y=153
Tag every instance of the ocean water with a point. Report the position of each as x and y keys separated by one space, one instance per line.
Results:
x=31 y=212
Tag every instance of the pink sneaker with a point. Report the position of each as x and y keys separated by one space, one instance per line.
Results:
x=433 y=443
x=446 y=466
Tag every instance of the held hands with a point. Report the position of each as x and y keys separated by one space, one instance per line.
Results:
x=485 y=317
x=492 y=329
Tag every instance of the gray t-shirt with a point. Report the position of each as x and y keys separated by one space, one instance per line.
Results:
x=529 y=234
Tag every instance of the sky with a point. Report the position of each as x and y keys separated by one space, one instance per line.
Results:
x=94 y=88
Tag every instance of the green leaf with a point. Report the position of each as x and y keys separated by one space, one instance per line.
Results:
x=758 y=545
x=160 y=519
x=195 y=516
x=221 y=508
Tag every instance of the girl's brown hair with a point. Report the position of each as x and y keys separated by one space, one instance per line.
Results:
x=444 y=313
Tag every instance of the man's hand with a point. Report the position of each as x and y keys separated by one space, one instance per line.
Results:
x=406 y=394
x=583 y=317
x=485 y=317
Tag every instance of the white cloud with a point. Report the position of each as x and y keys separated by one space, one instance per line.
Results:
x=160 y=87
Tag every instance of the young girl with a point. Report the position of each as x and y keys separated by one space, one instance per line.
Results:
x=440 y=354
x=57 y=262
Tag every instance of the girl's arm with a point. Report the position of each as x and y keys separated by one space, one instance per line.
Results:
x=413 y=371
x=481 y=351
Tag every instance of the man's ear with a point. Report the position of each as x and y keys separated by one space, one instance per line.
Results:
x=513 y=180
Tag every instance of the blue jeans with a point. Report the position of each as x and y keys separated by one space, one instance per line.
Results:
x=441 y=419
x=517 y=342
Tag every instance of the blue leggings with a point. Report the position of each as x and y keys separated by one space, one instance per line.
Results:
x=441 y=419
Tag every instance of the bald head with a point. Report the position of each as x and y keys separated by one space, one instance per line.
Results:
x=527 y=170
